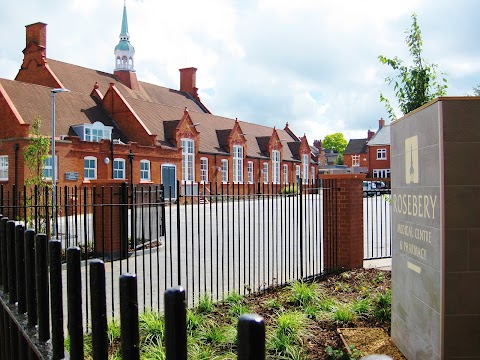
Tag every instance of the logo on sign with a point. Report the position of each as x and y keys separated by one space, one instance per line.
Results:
x=411 y=160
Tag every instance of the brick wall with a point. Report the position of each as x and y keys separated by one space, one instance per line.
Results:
x=343 y=223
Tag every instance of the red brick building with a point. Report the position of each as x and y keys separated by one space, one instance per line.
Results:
x=379 y=152
x=114 y=126
x=371 y=155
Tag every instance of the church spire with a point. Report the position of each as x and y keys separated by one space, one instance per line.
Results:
x=124 y=51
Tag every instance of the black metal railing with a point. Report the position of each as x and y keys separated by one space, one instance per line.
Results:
x=241 y=238
x=377 y=218
x=25 y=313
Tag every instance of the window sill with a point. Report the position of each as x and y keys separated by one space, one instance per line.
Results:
x=146 y=182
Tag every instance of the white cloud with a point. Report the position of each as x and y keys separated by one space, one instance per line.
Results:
x=310 y=63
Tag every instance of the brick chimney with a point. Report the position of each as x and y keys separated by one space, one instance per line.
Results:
x=188 y=81
x=381 y=123
x=318 y=144
x=370 y=134
x=34 y=68
x=37 y=33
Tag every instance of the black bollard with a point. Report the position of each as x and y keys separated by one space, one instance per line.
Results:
x=129 y=317
x=20 y=268
x=12 y=273
x=41 y=281
x=74 y=300
x=98 y=304
x=31 y=287
x=175 y=324
x=56 y=299
x=251 y=337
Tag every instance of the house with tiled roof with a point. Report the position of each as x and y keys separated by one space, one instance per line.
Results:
x=355 y=156
x=113 y=126
x=379 y=152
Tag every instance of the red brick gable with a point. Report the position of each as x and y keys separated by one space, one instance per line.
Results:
x=236 y=137
x=126 y=119
x=186 y=130
x=12 y=124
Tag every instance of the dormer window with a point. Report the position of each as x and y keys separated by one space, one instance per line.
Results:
x=95 y=132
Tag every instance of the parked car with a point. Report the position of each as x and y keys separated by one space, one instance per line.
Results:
x=370 y=188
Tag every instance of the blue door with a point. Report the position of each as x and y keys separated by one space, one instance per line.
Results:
x=169 y=181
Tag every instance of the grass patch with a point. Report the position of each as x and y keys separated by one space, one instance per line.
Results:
x=302 y=294
x=301 y=319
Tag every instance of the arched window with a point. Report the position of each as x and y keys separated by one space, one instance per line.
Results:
x=188 y=159
x=237 y=164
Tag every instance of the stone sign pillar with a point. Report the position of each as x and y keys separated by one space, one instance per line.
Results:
x=436 y=230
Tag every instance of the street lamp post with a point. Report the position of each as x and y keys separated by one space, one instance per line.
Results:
x=54 y=167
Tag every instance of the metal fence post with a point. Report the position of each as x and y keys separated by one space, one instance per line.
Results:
x=124 y=220
x=74 y=300
x=30 y=277
x=175 y=324
x=20 y=268
x=56 y=298
x=12 y=273
x=3 y=252
x=251 y=337
x=129 y=317
x=41 y=277
x=99 y=310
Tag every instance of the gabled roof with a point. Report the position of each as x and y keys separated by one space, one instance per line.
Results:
x=382 y=137
x=72 y=108
x=80 y=79
x=356 y=146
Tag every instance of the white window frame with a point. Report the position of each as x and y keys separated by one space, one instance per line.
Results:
x=285 y=173
x=94 y=169
x=275 y=166
x=4 y=168
x=355 y=160
x=145 y=168
x=95 y=132
x=250 y=172
x=312 y=170
x=298 y=172
x=119 y=169
x=224 y=171
x=47 y=168
x=305 y=163
x=204 y=170
x=188 y=160
x=381 y=173
x=382 y=154
x=265 y=173
x=237 y=164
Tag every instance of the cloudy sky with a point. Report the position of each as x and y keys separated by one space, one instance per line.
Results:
x=311 y=63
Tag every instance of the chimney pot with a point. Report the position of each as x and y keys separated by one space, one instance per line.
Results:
x=381 y=123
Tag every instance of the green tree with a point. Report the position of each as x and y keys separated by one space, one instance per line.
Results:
x=416 y=84
x=335 y=142
x=35 y=154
